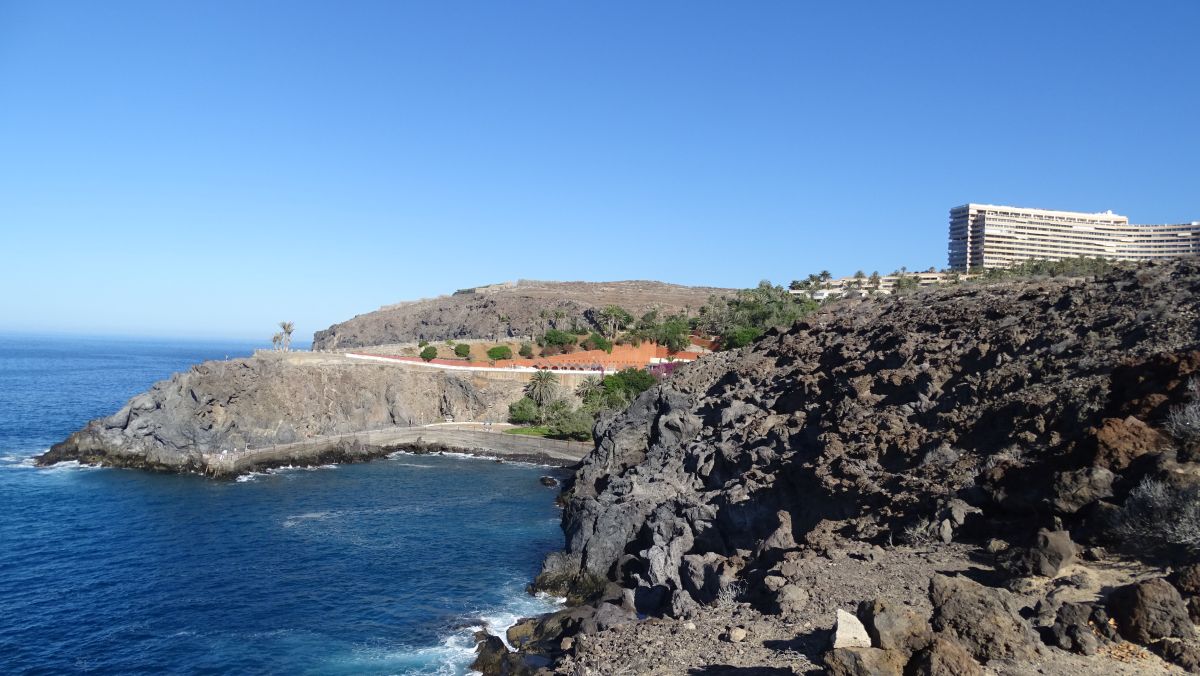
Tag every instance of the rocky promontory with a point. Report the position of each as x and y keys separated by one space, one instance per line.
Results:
x=275 y=399
x=975 y=477
x=514 y=310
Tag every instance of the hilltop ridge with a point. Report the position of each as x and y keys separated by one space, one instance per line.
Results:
x=510 y=310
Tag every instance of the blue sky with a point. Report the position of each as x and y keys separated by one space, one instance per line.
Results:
x=205 y=169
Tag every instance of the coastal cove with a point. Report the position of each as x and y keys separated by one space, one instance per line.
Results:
x=382 y=567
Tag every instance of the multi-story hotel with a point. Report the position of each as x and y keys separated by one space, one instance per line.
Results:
x=989 y=236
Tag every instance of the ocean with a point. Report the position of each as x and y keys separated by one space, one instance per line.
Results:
x=386 y=567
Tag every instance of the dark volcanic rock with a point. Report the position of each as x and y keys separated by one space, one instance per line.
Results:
x=894 y=627
x=864 y=662
x=944 y=657
x=1050 y=552
x=986 y=621
x=868 y=420
x=1187 y=579
x=1148 y=611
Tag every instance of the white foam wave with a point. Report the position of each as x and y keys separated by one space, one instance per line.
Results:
x=17 y=461
x=307 y=516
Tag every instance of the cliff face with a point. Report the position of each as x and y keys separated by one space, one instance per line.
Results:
x=509 y=311
x=274 y=399
x=969 y=410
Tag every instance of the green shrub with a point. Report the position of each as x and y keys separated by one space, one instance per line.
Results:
x=526 y=351
x=500 y=352
x=429 y=353
x=597 y=342
x=462 y=350
x=522 y=411
x=739 y=337
x=568 y=424
x=422 y=343
x=560 y=338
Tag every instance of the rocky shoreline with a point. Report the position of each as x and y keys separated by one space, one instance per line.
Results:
x=290 y=408
x=975 y=479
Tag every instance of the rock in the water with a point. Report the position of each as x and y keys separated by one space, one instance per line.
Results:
x=492 y=656
x=986 y=621
x=894 y=627
x=849 y=632
x=1151 y=610
x=943 y=657
x=548 y=481
x=864 y=662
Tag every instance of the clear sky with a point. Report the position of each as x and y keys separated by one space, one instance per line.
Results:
x=208 y=168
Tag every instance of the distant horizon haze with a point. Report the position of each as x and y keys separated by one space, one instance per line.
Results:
x=206 y=170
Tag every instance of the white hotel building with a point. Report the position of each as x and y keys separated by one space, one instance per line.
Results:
x=990 y=236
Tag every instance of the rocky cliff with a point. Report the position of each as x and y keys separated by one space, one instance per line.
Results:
x=1022 y=419
x=514 y=310
x=275 y=398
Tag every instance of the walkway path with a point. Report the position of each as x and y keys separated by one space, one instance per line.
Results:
x=471 y=438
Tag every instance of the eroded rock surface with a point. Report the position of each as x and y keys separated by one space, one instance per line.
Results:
x=274 y=399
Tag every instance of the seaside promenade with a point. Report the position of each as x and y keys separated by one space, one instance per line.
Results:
x=472 y=438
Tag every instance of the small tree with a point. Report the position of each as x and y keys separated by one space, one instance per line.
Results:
x=615 y=318
x=429 y=353
x=276 y=341
x=462 y=350
x=526 y=351
x=422 y=343
x=500 y=352
x=286 y=329
x=523 y=411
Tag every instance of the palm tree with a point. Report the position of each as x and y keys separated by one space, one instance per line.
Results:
x=874 y=279
x=542 y=387
x=276 y=341
x=825 y=276
x=589 y=387
x=287 y=328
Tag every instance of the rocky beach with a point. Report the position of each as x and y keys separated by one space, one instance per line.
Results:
x=985 y=478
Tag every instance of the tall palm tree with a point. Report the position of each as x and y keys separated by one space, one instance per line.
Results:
x=588 y=387
x=287 y=328
x=825 y=276
x=542 y=387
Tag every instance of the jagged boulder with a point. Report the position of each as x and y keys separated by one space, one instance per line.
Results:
x=1079 y=488
x=1187 y=579
x=1119 y=441
x=986 y=621
x=1074 y=628
x=894 y=627
x=1050 y=552
x=1148 y=611
x=1186 y=654
x=943 y=657
x=864 y=662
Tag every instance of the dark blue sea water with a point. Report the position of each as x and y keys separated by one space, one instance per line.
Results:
x=378 y=568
